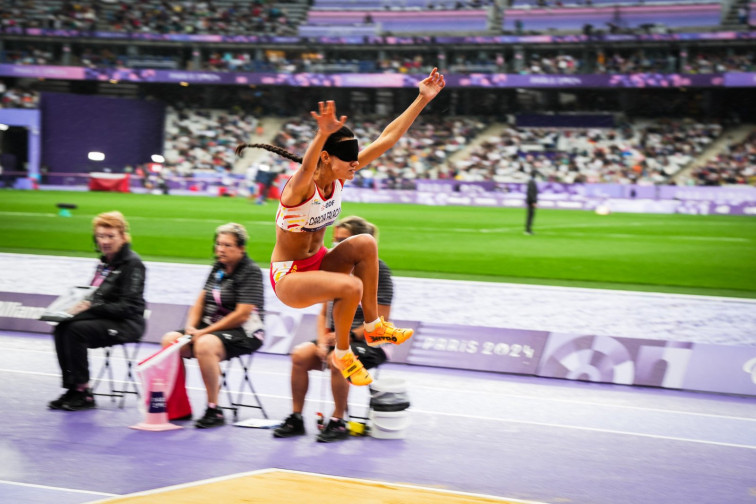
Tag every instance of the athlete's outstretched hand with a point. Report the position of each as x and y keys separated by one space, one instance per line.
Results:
x=432 y=85
x=327 y=122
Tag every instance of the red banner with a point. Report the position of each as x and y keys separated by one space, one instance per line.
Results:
x=114 y=182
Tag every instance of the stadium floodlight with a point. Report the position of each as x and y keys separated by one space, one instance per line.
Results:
x=157 y=158
x=96 y=156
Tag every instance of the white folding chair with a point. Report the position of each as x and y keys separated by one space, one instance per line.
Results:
x=105 y=374
x=235 y=402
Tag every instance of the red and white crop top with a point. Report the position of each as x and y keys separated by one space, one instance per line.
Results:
x=312 y=215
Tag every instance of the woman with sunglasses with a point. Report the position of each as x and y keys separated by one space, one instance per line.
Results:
x=303 y=272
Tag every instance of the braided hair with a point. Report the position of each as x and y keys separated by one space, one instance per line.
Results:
x=337 y=136
x=272 y=148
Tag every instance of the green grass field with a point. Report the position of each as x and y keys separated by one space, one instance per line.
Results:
x=704 y=255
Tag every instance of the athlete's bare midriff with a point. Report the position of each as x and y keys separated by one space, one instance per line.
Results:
x=296 y=246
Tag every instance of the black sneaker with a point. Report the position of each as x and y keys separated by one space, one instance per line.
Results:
x=213 y=418
x=292 y=426
x=79 y=400
x=336 y=430
x=58 y=403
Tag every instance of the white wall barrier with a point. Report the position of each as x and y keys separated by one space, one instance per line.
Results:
x=597 y=358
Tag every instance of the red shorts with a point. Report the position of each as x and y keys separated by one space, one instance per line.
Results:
x=278 y=270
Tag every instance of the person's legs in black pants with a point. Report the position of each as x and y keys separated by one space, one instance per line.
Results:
x=72 y=341
x=529 y=221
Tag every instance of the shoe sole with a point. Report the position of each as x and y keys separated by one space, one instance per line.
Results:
x=388 y=340
x=209 y=426
x=284 y=436
x=332 y=440
x=66 y=407
x=200 y=425
x=362 y=383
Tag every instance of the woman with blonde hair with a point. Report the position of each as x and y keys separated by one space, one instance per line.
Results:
x=113 y=314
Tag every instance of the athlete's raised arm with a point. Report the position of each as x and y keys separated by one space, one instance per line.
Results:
x=428 y=89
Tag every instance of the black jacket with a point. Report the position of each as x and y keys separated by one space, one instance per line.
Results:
x=531 y=195
x=121 y=294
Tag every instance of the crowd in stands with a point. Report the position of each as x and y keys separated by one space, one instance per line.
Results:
x=240 y=18
x=647 y=153
x=644 y=153
x=706 y=62
x=27 y=55
x=59 y=15
x=617 y=62
x=154 y=16
x=312 y=61
x=735 y=165
x=419 y=154
x=204 y=140
x=461 y=148
x=258 y=17
x=13 y=97
x=548 y=63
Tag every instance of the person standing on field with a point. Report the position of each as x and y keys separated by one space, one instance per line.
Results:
x=531 y=202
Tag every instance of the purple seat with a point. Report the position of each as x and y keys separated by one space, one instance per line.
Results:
x=407 y=22
x=565 y=19
x=675 y=16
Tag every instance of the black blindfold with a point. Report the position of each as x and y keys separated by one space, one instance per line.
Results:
x=346 y=150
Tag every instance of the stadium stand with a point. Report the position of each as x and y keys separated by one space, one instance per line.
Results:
x=646 y=152
x=18 y=97
x=476 y=141
x=734 y=163
x=204 y=140
x=556 y=4
x=400 y=5
x=614 y=18
x=418 y=60
x=224 y=16
x=474 y=149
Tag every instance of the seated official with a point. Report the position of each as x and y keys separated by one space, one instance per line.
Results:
x=113 y=315
x=314 y=354
x=226 y=319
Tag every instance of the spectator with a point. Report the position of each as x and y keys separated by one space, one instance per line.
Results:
x=226 y=320
x=113 y=315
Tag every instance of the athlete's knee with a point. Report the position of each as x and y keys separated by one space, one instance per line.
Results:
x=351 y=289
x=366 y=243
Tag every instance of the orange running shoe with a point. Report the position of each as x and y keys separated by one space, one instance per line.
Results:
x=385 y=332
x=352 y=369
